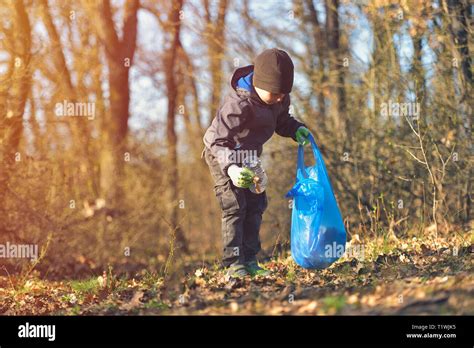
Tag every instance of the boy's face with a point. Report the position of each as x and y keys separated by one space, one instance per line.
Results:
x=269 y=97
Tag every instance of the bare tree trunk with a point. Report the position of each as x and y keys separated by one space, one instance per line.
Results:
x=171 y=62
x=336 y=73
x=119 y=53
x=461 y=12
x=318 y=38
x=62 y=77
x=189 y=83
x=14 y=91
x=15 y=88
x=215 y=46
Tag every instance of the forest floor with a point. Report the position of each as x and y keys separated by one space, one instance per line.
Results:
x=433 y=276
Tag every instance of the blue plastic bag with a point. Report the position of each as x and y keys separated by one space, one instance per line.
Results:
x=318 y=236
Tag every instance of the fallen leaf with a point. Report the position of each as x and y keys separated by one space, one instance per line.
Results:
x=310 y=307
x=234 y=306
x=134 y=302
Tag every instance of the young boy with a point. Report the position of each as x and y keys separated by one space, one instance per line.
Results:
x=256 y=107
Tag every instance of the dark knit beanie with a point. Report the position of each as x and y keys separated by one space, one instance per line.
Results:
x=273 y=71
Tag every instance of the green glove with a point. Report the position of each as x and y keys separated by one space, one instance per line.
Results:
x=302 y=136
x=241 y=177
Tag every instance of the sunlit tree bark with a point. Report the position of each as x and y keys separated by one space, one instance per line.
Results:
x=14 y=89
x=120 y=53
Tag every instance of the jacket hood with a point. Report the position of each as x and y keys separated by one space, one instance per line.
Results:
x=239 y=73
x=243 y=93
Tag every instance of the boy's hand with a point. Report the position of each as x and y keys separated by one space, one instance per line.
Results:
x=241 y=177
x=302 y=135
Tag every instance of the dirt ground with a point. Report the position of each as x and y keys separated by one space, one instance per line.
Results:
x=409 y=277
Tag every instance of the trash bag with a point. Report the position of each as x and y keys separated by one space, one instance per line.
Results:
x=318 y=236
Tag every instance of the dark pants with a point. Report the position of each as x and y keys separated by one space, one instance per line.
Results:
x=241 y=216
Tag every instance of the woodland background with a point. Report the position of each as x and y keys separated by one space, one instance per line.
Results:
x=127 y=190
